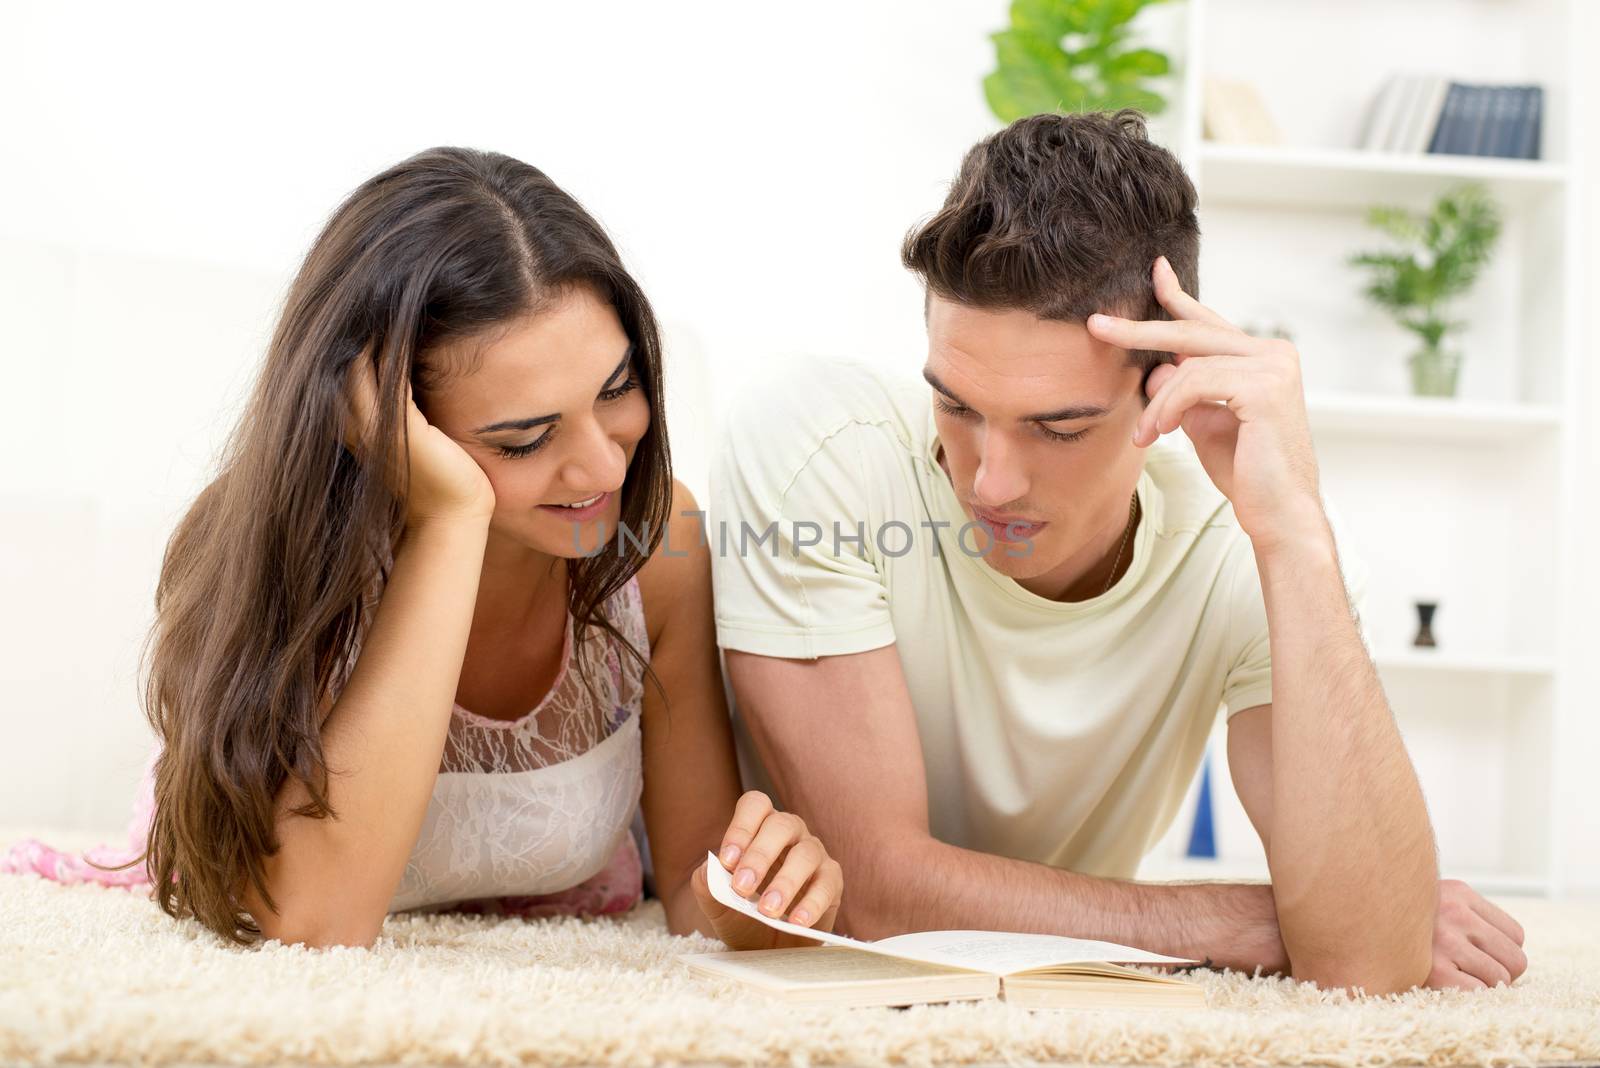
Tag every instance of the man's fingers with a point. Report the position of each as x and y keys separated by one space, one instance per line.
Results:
x=1475 y=962
x=1499 y=945
x=1184 y=336
x=778 y=831
x=1218 y=379
x=1170 y=295
x=748 y=814
x=1497 y=916
x=1449 y=977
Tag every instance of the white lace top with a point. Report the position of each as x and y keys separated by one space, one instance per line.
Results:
x=542 y=803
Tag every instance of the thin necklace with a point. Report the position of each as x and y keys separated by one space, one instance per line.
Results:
x=1133 y=505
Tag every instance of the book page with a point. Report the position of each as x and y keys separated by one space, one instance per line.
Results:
x=813 y=964
x=1004 y=953
x=993 y=952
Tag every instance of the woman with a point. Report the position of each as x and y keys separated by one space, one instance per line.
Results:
x=402 y=657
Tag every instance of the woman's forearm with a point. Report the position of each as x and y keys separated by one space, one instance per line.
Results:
x=332 y=879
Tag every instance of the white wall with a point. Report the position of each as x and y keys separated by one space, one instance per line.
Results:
x=167 y=165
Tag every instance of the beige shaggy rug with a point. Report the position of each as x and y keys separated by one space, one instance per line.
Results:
x=92 y=975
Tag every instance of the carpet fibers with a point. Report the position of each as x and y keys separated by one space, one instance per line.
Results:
x=92 y=975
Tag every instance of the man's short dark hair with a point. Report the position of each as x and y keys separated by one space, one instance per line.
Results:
x=1062 y=216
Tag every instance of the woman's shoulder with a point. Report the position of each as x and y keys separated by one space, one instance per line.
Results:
x=680 y=564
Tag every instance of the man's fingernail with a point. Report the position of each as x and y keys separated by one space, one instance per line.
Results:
x=772 y=900
x=800 y=916
x=730 y=854
x=1099 y=320
x=745 y=881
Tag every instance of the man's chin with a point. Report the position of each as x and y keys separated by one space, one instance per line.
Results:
x=1019 y=560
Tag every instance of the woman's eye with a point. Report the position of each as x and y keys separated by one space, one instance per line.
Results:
x=512 y=452
x=630 y=384
x=960 y=411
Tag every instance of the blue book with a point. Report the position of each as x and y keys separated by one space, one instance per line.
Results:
x=1529 y=128
x=1505 y=111
x=1449 y=119
x=1476 y=121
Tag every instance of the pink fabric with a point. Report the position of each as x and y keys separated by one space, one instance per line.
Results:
x=33 y=856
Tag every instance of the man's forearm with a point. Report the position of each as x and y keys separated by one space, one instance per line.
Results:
x=1350 y=847
x=922 y=884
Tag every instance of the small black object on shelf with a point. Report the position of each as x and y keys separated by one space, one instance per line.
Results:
x=1424 y=638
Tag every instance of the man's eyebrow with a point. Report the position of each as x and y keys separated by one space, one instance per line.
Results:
x=1076 y=411
x=540 y=420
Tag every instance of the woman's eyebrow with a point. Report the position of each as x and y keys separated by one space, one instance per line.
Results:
x=540 y=420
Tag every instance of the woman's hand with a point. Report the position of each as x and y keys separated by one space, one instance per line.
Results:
x=772 y=852
x=443 y=481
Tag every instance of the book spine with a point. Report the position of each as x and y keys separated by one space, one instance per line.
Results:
x=1449 y=117
x=1478 y=120
x=1533 y=118
x=1508 y=112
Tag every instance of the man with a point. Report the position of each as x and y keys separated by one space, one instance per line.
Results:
x=984 y=651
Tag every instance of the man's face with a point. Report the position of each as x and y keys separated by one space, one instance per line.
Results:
x=1036 y=418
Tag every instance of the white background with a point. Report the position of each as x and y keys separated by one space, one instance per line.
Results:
x=166 y=166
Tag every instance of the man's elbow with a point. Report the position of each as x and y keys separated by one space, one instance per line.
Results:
x=1375 y=974
x=874 y=904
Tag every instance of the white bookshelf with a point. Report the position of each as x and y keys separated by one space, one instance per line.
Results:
x=1470 y=501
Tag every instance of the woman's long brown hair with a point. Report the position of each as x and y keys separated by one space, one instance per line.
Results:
x=268 y=581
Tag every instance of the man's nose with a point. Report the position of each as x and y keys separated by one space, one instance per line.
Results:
x=1001 y=477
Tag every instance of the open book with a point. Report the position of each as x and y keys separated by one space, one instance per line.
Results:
x=1033 y=970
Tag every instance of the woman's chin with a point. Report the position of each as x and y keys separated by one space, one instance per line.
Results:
x=575 y=539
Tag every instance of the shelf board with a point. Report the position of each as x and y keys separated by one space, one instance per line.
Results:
x=1438 y=418
x=1452 y=662
x=1347 y=178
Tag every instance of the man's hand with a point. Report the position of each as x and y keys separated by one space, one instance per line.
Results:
x=1239 y=399
x=1475 y=944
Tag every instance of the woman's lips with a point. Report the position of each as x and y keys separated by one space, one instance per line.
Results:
x=1008 y=528
x=589 y=511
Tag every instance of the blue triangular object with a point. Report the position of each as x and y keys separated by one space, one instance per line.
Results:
x=1202 y=840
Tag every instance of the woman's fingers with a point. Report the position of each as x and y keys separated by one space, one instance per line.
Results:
x=819 y=904
x=799 y=863
x=777 y=833
x=748 y=814
x=361 y=402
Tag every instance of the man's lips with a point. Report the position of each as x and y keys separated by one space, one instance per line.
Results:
x=1008 y=527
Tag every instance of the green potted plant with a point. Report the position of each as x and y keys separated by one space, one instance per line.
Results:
x=1072 y=55
x=1439 y=257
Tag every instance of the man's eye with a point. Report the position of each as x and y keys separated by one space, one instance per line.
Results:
x=958 y=410
x=1057 y=435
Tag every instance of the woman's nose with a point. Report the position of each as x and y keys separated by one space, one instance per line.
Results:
x=597 y=462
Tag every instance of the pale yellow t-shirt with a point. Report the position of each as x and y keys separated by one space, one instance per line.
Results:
x=1061 y=733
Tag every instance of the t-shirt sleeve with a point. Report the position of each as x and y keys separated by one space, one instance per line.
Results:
x=1248 y=682
x=794 y=571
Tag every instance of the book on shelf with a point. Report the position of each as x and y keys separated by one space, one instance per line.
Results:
x=1031 y=970
x=1420 y=113
x=1234 y=114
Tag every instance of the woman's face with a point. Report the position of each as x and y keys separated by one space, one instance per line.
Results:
x=552 y=413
